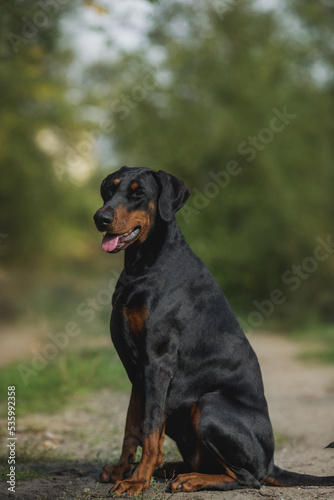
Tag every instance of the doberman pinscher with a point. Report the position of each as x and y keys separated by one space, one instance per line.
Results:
x=193 y=372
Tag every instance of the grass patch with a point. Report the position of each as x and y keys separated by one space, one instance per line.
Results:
x=67 y=377
x=280 y=441
x=36 y=453
x=72 y=493
x=319 y=355
x=314 y=333
x=321 y=338
x=21 y=475
x=25 y=475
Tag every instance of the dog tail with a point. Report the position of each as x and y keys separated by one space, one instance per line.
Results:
x=281 y=477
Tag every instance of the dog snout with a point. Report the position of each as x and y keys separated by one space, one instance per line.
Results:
x=103 y=219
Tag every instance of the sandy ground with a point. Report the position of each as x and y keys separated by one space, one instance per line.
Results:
x=70 y=447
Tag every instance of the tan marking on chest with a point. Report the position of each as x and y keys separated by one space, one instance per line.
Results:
x=136 y=318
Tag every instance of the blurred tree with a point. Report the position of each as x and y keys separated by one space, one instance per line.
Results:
x=230 y=100
x=37 y=123
x=46 y=209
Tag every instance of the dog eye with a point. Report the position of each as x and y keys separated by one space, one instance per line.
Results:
x=139 y=192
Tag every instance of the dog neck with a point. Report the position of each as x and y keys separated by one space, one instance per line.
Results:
x=164 y=238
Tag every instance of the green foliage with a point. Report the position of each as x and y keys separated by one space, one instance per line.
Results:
x=38 y=212
x=46 y=216
x=66 y=378
x=21 y=475
x=323 y=354
x=236 y=101
x=321 y=339
x=236 y=93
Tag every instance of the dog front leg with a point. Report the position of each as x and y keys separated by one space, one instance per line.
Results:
x=132 y=439
x=157 y=381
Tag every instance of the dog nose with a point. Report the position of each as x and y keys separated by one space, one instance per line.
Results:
x=103 y=219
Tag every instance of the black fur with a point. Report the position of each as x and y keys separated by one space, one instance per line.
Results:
x=193 y=371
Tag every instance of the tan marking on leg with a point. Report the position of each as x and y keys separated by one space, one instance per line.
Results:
x=161 y=447
x=272 y=482
x=197 y=457
x=196 y=481
x=140 y=479
x=131 y=440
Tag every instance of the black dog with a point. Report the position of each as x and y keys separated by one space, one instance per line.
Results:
x=194 y=374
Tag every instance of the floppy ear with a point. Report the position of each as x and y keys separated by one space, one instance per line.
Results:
x=174 y=194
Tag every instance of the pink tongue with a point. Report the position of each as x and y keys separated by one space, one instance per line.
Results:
x=109 y=242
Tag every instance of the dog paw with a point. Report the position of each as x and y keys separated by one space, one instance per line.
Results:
x=186 y=482
x=129 y=487
x=112 y=473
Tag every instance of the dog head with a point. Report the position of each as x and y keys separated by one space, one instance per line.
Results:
x=133 y=200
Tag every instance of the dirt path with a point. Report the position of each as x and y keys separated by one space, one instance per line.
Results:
x=89 y=433
x=17 y=342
